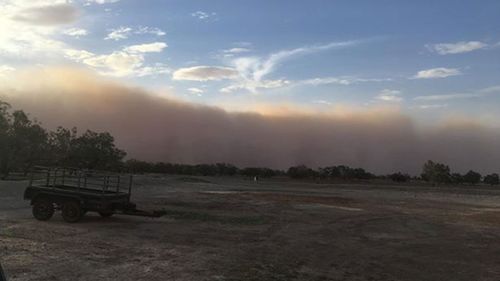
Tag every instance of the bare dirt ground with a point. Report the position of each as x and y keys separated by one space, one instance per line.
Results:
x=235 y=229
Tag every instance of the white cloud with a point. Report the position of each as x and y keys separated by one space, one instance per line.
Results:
x=342 y=80
x=196 y=91
x=236 y=50
x=457 y=48
x=5 y=69
x=76 y=32
x=54 y=14
x=322 y=102
x=150 y=30
x=252 y=86
x=100 y=2
x=21 y=37
x=326 y=81
x=119 y=33
x=252 y=70
x=205 y=73
x=203 y=15
x=156 y=69
x=229 y=53
x=432 y=106
x=476 y=94
x=123 y=32
x=493 y=89
x=29 y=31
x=448 y=97
x=390 y=95
x=440 y=72
x=77 y=55
x=118 y=63
x=155 y=47
x=257 y=68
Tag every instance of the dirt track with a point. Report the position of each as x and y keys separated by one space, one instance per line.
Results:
x=234 y=229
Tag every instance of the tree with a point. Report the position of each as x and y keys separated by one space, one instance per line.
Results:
x=399 y=177
x=4 y=131
x=94 y=150
x=436 y=172
x=301 y=171
x=259 y=172
x=457 y=178
x=29 y=141
x=492 y=179
x=60 y=145
x=23 y=142
x=344 y=172
x=472 y=177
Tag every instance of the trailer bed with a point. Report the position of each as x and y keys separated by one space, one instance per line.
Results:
x=76 y=192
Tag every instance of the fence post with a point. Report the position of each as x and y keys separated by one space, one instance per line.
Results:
x=130 y=186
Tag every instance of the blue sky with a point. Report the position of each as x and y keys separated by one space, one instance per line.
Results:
x=429 y=59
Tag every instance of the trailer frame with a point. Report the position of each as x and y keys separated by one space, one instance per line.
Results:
x=78 y=191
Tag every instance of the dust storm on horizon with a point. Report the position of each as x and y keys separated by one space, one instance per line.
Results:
x=155 y=128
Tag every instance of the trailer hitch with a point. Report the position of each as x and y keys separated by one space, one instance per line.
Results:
x=142 y=213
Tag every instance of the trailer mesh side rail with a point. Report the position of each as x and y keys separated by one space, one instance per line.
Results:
x=81 y=180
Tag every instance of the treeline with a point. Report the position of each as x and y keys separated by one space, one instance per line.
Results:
x=432 y=172
x=24 y=143
x=332 y=172
x=218 y=169
x=441 y=174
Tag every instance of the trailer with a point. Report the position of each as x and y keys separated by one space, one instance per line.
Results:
x=77 y=191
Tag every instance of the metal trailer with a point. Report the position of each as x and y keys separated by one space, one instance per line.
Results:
x=76 y=192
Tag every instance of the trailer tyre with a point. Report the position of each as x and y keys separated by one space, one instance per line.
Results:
x=72 y=211
x=43 y=209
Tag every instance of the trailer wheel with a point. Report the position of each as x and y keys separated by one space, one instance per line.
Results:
x=72 y=212
x=43 y=209
x=106 y=214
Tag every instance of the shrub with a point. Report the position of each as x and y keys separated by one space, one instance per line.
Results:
x=492 y=179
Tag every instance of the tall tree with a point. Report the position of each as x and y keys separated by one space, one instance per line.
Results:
x=472 y=177
x=22 y=141
x=4 y=128
x=94 y=150
x=436 y=172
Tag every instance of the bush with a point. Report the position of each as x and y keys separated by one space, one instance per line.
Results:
x=472 y=177
x=399 y=177
x=492 y=179
x=300 y=172
x=457 y=178
x=344 y=172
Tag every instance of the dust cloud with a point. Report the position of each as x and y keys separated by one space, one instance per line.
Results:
x=154 y=128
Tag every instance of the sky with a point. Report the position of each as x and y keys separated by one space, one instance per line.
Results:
x=433 y=62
